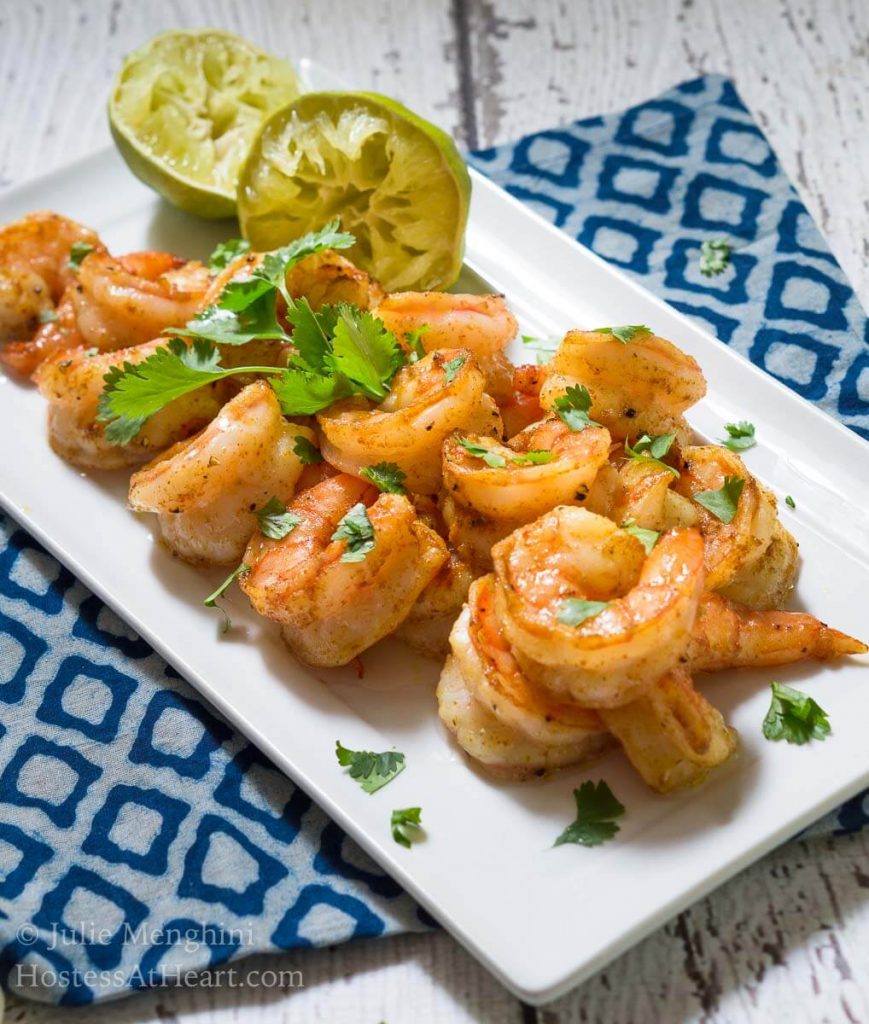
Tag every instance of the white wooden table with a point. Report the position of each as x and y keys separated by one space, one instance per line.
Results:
x=787 y=940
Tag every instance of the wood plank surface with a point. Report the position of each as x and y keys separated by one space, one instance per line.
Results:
x=788 y=939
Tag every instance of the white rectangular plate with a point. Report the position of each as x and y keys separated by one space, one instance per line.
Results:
x=539 y=918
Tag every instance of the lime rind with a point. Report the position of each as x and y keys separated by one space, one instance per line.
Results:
x=184 y=110
x=395 y=181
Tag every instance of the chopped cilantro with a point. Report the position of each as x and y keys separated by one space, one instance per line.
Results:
x=225 y=252
x=406 y=825
x=356 y=529
x=386 y=476
x=77 y=253
x=372 y=771
x=714 y=256
x=545 y=348
x=480 y=451
x=740 y=436
x=724 y=502
x=648 y=538
x=306 y=452
x=596 y=811
x=276 y=521
x=625 y=333
x=652 y=449
x=453 y=366
x=789 y=501
x=572 y=408
x=794 y=717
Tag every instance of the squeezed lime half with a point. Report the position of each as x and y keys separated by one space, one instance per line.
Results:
x=394 y=180
x=185 y=108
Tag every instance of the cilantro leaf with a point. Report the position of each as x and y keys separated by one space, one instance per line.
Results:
x=789 y=501
x=625 y=333
x=77 y=253
x=312 y=334
x=386 y=476
x=544 y=348
x=306 y=452
x=724 y=502
x=276 y=521
x=572 y=408
x=795 y=717
x=47 y=316
x=406 y=825
x=648 y=538
x=244 y=312
x=652 y=449
x=225 y=252
x=213 y=598
x=573 y=611
x=372 y=771
x=356 y=529
x=596 y=809
x=492 y=458
x=714 y=256
x=453 y=366
x=364 y=351
x=740 y=436
x=302 y=393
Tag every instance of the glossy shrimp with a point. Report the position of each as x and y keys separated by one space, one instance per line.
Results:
x=643 y=605
x=332 y=608
x=35 y=271
x=205 y=490
x=639 y=387
x=72 y=384
x=741 y=561
x=480 y=324
x=425 y=405
x=427 y=626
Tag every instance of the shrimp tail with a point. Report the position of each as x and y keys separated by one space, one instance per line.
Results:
x=729 y=635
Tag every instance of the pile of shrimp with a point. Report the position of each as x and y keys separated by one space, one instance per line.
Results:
x=574 y=591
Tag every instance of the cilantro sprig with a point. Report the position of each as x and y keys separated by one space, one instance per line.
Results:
x=626 y=333
x=794 y=717
x=572 y=408
x=225 y=252
x=372 y=771
x=494 y=459
x=596 y=811
x=648 y=538
x=740 y=436
x=652 y=449
x=356 y=529
x=406 y=825
x=724 y=502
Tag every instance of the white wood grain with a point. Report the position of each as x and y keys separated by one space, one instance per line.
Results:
x=787 y=940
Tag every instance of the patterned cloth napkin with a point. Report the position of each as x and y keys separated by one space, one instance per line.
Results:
x=140 y=836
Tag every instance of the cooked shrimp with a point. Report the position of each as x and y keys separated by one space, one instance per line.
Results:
x=733 y=550
x=645 y=494
x=639 y=387
x=481 y=324
x=327 y=278
x=522 y=406
x=120 y=301
x=34 y=269
x=729 y=635
x=72 y=384
x=648 y=604
x=205 y=490
x=330 y=609
x=427 y=626
x=672 y=735
x=519 y=491
x=410 y=425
